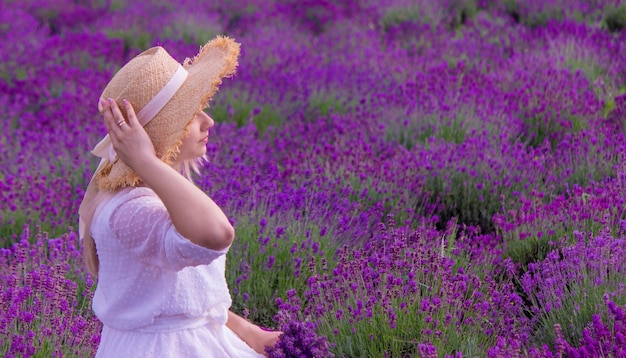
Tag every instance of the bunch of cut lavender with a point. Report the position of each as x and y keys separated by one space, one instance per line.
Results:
x=299 y=340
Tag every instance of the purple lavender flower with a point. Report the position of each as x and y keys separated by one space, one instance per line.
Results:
x=299 y=340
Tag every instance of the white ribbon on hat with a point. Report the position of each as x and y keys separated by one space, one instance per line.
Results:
x=104 y=149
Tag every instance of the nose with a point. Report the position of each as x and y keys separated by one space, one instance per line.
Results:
x=206 y=121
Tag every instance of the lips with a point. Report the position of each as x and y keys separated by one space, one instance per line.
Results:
x=205 y=139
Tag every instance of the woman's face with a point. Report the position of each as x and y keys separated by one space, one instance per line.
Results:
x=194 y=144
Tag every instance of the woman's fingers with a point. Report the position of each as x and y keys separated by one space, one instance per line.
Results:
x=120 y=121
x=105 y=113
x=130 y=111
x=109 y=118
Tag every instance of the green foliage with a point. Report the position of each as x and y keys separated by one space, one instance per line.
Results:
x=133 y=39
x=375 y=191
x=14 y=124
x=534 y=18
x=13 y=223
x=20 y=74
x=541 y=127
x=236 y=14
x=454 y=60
x=590 y=68
x=512 y=8
x=45 y=350
x=609 y=106
x=470 y=199
x=583 y=301
x=238 y=108
x=26 y=213
x=117 y=5
x=462 y=11
x=190 y=31
x=254 y=291
x=45 y=15
x=583 y=297
x=10 y=72
x=609 y=100
x=374 y=337
x=63 y=298
x=590 y=171
x=408 y=134
x=380 y=335
x=324 y=104
x=531 y=242
x=452 y=131
x=397 y=16
x=419 y=129
x=615 y=17
x=529 y=250
x=74 y=174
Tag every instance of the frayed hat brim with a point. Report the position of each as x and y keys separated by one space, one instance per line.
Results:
x=216 y=60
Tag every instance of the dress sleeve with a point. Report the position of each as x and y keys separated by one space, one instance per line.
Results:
x=142 y=225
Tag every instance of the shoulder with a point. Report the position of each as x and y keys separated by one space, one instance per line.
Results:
x=134 y=196
x=136 y=209
x=139 y=196
x=137 y=192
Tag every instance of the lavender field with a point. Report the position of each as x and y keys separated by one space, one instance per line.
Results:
x=406 y=178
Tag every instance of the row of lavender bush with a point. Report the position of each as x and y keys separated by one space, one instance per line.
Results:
x=420 y=178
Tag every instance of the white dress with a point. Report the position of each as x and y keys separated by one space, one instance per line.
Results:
x=158 y=294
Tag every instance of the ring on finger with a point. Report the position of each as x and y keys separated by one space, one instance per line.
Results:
x=121 y=123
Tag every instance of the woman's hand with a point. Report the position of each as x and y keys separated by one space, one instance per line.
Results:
x=264 y=339
x=254 y=336
x=130 y=140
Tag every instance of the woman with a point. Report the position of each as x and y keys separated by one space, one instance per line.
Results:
x=156 y=241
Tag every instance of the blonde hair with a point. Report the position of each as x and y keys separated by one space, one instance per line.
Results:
x=90 y=251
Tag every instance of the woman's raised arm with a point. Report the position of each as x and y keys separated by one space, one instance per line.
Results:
x=194 y=214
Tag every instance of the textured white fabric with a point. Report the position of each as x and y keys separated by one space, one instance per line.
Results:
x=158 y=294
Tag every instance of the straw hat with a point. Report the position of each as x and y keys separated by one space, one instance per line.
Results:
x=166 y=97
